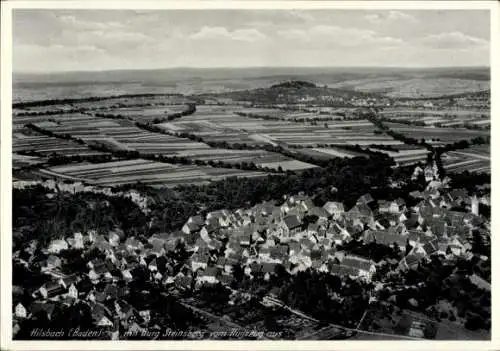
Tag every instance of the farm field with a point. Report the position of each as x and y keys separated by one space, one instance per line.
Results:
x=147 y=172
x=406 y=156
x=327 y=153
x=227 y=126
x=148 y=114
x=439 y=117
x=473 y=159
x=124 y=135
x=443 y=135
x=28 y=141
x=415 y=87
x=438 y=111
x=19 y=161
x=225 y=131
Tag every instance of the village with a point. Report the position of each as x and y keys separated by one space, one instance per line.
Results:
x=295 y=235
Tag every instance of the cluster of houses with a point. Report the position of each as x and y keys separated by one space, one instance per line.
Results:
x=295 y=235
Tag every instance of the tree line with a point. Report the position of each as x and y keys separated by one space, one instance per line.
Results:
x=49 y=102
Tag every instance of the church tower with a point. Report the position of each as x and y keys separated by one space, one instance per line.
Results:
x=475 y=205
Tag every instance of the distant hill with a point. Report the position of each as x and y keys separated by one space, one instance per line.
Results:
x=343 y=80
x=294 y=84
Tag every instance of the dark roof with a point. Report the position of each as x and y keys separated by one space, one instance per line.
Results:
x=193 y=227
x=365 y=199
x=211 y=227
x=414 y=258
x=200 y=258
x=197 y=220
x=292 y=222
x=221 y=261
x=279 y=251
x=52 y=285
x=255 y=267
x=361 y=209
x=72 y=279
x=400 y=202
x=341 y=270
x=268 y=267
x=210 y=271
x=383 y=203
x=84 y=286
x=226 y=278
x=294 y=246
x=101 y=269
x=313 y=227
x=99 y=311
x=332 y=206
x=183 y=281
x=47 y=307
x=383 y=237
x=357 y=263
x=217 y=214
x=431 y=246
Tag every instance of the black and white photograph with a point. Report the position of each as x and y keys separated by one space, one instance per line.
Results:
x=248 y=174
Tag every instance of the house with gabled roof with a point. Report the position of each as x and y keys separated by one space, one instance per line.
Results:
x=279 y=252
x=312 y=229
x=226 y=278
x=221 y=216
x=198 y=220
x=319 y=212
x=101 y=315
x=418 y=237
x=102 y=245
x=57 y=246
x=297 y=199
x=341 y=270
x=307 y=205
x=157 y=249
x=383 y=237
x=133 y=244
x=335 y=209
x=384 y=206
x=412 y=260
x=191 y=227
x=207 y=276
x=365 y=267
x=20 y=311
x=199 y=261
x=456 y=247
x=77 y=241
x=52 y=289
x=337 y=234
x=114 y=238
x=290 y=225
x=52 y=262
x=294 y=248
x=431 y=246
x=480 y=282
x=99 y=272
x=66 y=282
x=268 y=269
x=365 y=199
x=361 y=212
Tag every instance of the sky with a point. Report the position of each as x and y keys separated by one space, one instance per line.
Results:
x=81 y=40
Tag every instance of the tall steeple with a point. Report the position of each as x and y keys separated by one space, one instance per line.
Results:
x=474 y=205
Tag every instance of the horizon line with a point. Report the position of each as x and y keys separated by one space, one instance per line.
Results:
x=238 y=68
